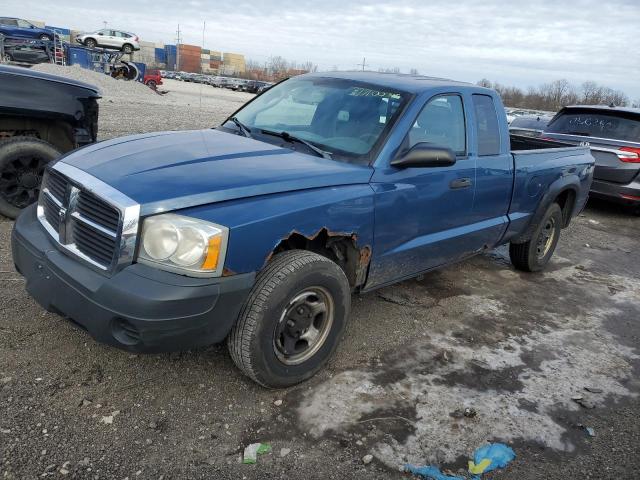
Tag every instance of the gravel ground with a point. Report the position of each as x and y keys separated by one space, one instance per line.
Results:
x=130 y=107
x=512 y=348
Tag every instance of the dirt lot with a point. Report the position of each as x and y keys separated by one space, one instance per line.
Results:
x=511 y=347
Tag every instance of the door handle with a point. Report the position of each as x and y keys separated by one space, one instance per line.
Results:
x=460 y=183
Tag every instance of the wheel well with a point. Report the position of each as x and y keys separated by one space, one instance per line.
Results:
x=566 y=199
x=342 y=248
x=56 y=132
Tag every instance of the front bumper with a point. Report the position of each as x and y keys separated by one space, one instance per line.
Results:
x=138 y=309
x=617 y=192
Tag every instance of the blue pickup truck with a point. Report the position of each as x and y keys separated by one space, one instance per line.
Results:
x=260 y=230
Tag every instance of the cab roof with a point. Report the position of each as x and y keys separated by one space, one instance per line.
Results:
x=406 y=82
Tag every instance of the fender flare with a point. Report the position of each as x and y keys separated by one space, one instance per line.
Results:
x=557 y=188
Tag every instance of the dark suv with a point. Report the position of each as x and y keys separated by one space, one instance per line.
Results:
x=42 y=116
x=614 y=136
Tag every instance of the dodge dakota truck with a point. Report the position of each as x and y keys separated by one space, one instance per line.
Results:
x=260 y=230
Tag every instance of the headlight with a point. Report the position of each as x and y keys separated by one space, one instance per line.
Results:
x=183 y=245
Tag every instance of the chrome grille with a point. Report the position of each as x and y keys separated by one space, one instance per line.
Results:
x=86 y=216
x=93 y=243
x=91 y=207
x=57 y=185
x=51 y=209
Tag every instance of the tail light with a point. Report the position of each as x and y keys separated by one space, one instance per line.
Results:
x=629 y=154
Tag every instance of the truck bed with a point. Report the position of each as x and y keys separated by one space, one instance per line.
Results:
x=540 y=165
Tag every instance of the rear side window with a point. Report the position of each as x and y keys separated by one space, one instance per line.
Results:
x=9 y=21
x=591 y=123
x=441 y=123
x=486 y=125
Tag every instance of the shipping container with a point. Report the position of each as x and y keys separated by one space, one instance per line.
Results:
x=161 y=55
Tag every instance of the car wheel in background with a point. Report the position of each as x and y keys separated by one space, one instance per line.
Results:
x=91 y=43
x=533 y=256
x=22 y=164
x=293 y=319
x=152 y=84
x=127 y=48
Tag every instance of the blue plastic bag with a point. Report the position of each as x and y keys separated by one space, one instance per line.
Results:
x=489 y=457
x=430 y=472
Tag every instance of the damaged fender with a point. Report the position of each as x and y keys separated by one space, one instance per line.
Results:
x=339 y=219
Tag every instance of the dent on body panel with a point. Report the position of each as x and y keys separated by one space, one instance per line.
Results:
x=340 y=246
x=335 y=217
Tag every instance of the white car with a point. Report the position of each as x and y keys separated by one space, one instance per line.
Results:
x=107 y=38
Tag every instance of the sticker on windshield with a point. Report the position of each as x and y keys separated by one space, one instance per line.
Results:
x=368 y=92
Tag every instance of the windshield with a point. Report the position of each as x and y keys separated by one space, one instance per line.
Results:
x=591 y=123
x=345 y=118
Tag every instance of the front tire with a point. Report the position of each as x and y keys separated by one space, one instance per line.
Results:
x=292 y=321
x=22 y=163
x=533 y=256
x=90 y=43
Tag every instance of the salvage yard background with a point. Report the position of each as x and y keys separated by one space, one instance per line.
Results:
x=428 y=371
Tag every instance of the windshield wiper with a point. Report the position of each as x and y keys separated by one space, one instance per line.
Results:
x=292 y=138
x=243 y=128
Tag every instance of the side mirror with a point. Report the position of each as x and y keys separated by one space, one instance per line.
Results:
x=425 y=155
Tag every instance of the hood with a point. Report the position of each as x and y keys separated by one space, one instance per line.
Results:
x=25 y=72
x=172 y=170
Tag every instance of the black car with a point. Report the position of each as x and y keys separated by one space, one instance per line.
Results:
x=613 y=133
x=31 y=54
x=42 y=116
x=529 y=125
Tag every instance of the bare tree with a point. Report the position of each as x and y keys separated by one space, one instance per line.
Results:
x=557 y=94
x=309 y=67
x=277 y=64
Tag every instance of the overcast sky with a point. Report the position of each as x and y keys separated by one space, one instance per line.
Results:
x=514 y=42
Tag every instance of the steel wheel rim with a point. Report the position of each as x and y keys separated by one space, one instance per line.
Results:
x=304 y=325
x=545 y=240
x=20 y=181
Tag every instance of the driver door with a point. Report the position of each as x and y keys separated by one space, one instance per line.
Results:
x=423 y=214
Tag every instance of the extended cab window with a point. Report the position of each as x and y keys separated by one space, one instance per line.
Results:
x=486 y=125
x=441 y=123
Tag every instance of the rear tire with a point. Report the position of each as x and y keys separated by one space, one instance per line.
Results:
x=127 y=48
x=45 y=37
x=152 y=84
x=22 y=163
x=534 y=255
x=292 y=321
